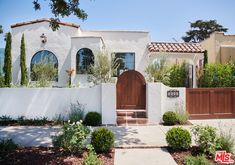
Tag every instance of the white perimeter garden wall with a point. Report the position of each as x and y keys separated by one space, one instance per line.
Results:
x=51 y=102
x=158 y=103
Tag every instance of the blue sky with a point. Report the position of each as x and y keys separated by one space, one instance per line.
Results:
x=164 y=19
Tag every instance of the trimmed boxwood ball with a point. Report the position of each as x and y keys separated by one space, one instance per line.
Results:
x=102 y=139
x=178 y=138
x=92 y=119
x=169 y=118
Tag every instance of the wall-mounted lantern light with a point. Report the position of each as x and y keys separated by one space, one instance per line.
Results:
x=43 y=38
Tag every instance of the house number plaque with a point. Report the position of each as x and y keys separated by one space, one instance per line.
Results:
x=173 y=93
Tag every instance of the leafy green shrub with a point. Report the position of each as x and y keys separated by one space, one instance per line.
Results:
x=178 y=75
x=181 y=116
x=36 y=121
x=198 y=160
x=226 y=142
x=7 y=145
x=158 y=72
x=169 y=118
x=102 y=139
x=206 y=138
x=73 y=137
x=218 y=75
x=91 y=158
x=5 y=120
x=178 y=138
x=93 y=119
x=76 y=112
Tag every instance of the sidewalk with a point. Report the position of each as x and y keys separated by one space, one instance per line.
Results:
x=30 y=135
x=134 y=144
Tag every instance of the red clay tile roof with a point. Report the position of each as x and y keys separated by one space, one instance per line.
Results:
x=175 y=47
x=43 y=20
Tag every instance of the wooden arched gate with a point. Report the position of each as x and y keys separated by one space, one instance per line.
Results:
x=131 y=91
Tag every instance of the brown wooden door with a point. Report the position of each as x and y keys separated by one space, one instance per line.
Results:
x=131 y=91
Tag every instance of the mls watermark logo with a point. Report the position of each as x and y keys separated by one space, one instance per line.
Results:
x=223 y=157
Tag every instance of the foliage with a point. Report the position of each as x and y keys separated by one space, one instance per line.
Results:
x=76 y=112
x=59 y=119
x=102 y=139
x=1 y=29
x=218 y=75
x=158 y=72
x=7 y=68
x=181 y=115
x=169 y=118
x=103 y=69
x=200 y=30
x=43 y=73
x=5 y=120
x=91 y=158
x=206 y=138
x=178 y=138
x=24 y=79
x=62 y=8
x=205 y=61
x=93 y=119
x=2 y=83
x=7 y=145
x=198 y=160
x=36 y=121
x=226 y=142
x=73 y=137
x=178 y=75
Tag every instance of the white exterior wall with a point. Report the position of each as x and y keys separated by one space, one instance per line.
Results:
x=125 y=41
x=67 y=41
x=58 y=42
x=51 y=102
x=153 y=102
x=108 y=103
x=48 y=102
x=158 y=103
x=93 y=43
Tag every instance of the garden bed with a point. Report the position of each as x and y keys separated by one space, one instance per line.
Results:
x=43 y=155
x=193 y=151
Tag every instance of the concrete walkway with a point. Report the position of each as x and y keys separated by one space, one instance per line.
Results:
x=148 y=156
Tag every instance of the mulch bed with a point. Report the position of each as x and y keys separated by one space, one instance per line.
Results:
x=50 y=156
x=187 y=123
x=193 y=151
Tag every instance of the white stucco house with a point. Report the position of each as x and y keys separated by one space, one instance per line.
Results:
x=72 y=47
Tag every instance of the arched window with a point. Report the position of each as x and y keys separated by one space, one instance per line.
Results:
x=84 y=59
x=44 y=56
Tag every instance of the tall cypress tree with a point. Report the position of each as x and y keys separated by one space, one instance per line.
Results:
x=24 y=79
x=205 y=58
x=7 y=68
